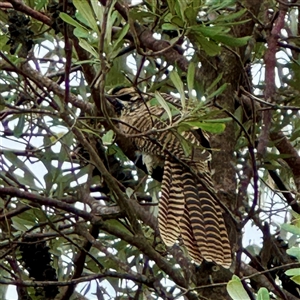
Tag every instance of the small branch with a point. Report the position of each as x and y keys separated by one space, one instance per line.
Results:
x=44 y=82
x=5 y=5
x=26 y=283
x=261 y=270
x=251 y=213
x=284 y=191
x=269 y=105
x=285 y=3
x=270 y=62
x=143 y=245
x=146 y=40
x=20 y=6
x=262 y=281
x=68 y=56
x=289 y=46
x=80 y=259
x=38 y=199
x=284 y=146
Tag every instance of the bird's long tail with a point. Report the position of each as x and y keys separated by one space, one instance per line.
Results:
x=188 y=209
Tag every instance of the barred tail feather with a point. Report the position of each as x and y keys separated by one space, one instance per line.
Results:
x=216 y=232
x=188 y=238
x=188 y=209
x=171 y=204
x=227 y=251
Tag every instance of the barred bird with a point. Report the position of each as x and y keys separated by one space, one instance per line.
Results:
x=188 y=207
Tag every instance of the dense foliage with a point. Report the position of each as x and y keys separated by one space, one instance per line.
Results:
x=77 y=210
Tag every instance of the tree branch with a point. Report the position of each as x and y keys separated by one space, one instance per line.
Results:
x=284 y=146
x=270 y=61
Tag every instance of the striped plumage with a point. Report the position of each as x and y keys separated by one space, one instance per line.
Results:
x=188 y=206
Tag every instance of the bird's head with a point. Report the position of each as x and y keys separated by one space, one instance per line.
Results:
x=124 y=98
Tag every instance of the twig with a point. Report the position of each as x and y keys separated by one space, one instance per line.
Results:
x=270 y=62
x=284 y=146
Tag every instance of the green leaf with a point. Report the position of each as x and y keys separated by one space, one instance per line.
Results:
x=197 y=3
x=183 y=127
x=18 y=224
x=185 y=144
x=293 y=272
x=40 y=4
x=190 y=78
x=215 y=82
x=3 y=41
x=177 y=21
x=28 y=178
x=236 y=290
x=220 y=120
x=18 y=130
x=180 y=7
x=108 y=137
x=66 y=142
x=119 y=226
x=112 y=16
x=291 y=228
x=114 y=77
x=86 y=11
x=221 y=4
x=86 y=46
x=239 y=113
x=114 y=150
x=79 y=32
x=295 y=215
x=235 y=23
x=98 y=9
x=210 y=127
x=218 y=34
x=253 y=249
x=296 y=279
x=66 y=18
x=164 y=104
x=168 y=26
x=232 y=41
x=209 y=31
x=295 y=134
x=179 y=86
x=230 y=17
x=218 y=92
x=142 y=15
x=3 y=287
x=168 y=17
x=21 y=223
x=295 y=251
x=171 y=5
x=210 y=47
x=129 y=192
x=190 y=14
x=118 y=43
x=276 y=157
x=263 y=294
x=48 y=178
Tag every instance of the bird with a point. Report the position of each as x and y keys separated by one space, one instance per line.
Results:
x=188 y=206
